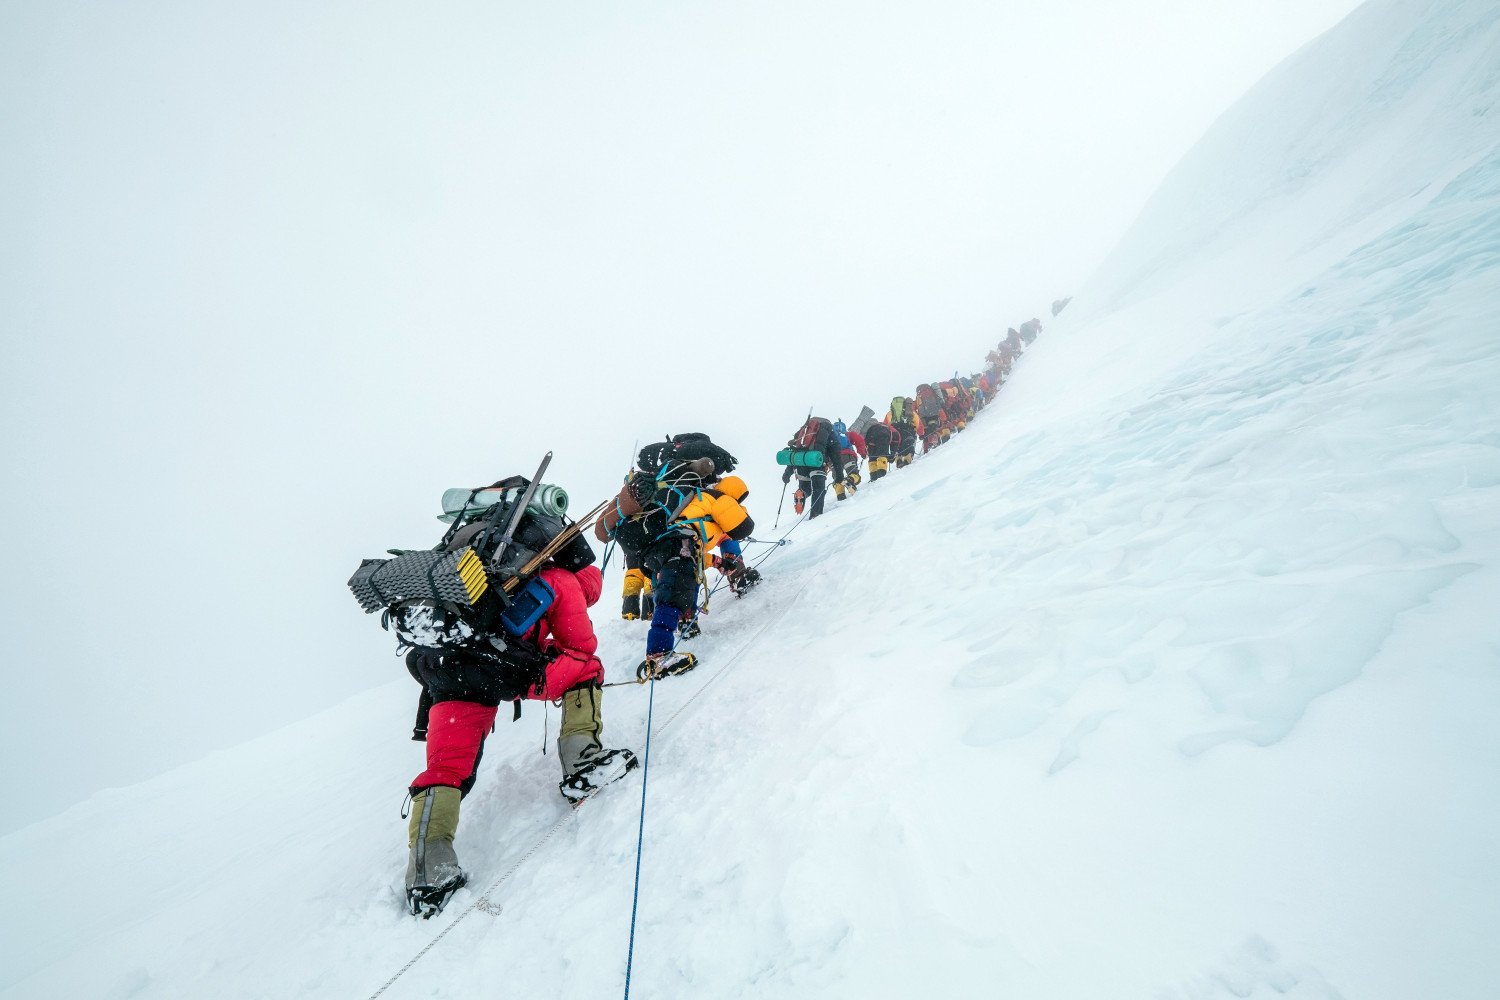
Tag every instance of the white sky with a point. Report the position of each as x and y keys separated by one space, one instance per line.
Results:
x=272 y=276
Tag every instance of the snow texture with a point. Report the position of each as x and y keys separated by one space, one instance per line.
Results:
x=1172 y=677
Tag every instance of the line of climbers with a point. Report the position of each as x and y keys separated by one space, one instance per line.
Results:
x=679 y=514
x=824 y=454
x=497 y=611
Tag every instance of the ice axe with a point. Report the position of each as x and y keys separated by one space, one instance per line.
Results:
x=497 y=560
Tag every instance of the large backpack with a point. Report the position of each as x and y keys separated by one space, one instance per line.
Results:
x=809 y=434
x=842 y=430
x=652 y=456
x=647 y=507
x=929 y=403
x=696 y=445
x=453 y=598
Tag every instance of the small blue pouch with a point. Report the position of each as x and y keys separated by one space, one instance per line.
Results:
x=527 y=607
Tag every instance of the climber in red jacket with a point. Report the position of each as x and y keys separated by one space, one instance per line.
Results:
x=465 y=691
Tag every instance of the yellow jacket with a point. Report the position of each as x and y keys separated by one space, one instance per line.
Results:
x=715 y=513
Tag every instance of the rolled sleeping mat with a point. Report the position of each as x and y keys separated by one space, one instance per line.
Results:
x=865 y=419
x=800 y=459
x=621 y=509
x=548 y=500
x=458 y=577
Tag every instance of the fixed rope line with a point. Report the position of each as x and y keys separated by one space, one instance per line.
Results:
x=749 y=643
x=775 y=547
x=484 y=901
x=640 y=839
x=646 y=764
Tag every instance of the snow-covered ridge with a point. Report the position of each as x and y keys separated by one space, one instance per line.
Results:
x=1172 y=677
x=1337 y=144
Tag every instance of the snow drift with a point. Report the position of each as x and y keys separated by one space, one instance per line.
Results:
x=1172 y=677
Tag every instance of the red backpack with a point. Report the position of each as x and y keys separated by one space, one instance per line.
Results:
x=807 y=437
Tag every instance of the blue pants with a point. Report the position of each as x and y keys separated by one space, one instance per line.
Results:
x=676 y=588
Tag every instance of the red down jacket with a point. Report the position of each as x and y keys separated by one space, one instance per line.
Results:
x=566 y=632
x=456 y=729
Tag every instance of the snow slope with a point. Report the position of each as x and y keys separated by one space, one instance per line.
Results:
x=1173 y=677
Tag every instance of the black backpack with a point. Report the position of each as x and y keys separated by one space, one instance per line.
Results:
x=652 y=456
x=697 y=445
x=451 y=599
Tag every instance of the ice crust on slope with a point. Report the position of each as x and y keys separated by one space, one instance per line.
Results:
x=1329 y=147
x=1173 y=677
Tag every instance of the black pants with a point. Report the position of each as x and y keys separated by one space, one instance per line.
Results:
x=482 y=679
x=674 y=565
x=814 y=484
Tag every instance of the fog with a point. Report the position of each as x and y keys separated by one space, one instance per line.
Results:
x=273 y=276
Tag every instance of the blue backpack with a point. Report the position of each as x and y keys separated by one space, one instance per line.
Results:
x=842 y=430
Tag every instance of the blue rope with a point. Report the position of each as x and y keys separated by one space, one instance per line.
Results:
x=775 y=547
x=640 y=838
